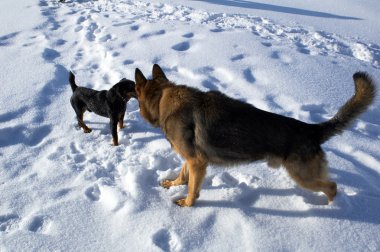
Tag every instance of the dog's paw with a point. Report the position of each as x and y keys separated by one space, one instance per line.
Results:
x=115 y=142
x=166 y=184
x=88 y=130
x=182 y=203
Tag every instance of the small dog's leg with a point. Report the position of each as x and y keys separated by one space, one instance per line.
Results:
x=113 y=127
x=182 y=179
x=83 y=125
x=121 y=122
x=197 y=171
x=79 y=112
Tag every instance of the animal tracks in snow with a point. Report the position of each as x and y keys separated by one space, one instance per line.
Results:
x=50 y=54
x=77 y=155
x=183 y=46
x=9 y=222
x=152 y=34
x=39 y=224
x=248 y=75
x=92 y=29
x=167 y=240
x=35 y=224
x=238 y=57
x=135 y=27
x=6 y=40
x=188 y=35
x=93 y=193
x=305 y=41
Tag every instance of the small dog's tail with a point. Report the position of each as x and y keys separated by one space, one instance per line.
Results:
x=365 y=92
x=72 y=81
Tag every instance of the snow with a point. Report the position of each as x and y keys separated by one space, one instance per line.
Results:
x=63 y=190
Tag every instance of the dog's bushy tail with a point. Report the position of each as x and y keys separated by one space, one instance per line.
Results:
x=72 y=81
x=365 y=92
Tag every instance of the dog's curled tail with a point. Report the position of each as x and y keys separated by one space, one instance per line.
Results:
x=72 y=81
x=365 y=92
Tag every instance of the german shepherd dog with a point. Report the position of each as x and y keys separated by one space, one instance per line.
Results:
x=210 y=127
x=111 y=104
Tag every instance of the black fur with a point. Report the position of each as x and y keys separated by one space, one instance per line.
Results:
x=110 y=104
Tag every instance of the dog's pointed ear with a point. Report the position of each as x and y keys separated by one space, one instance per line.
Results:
x=139 y=77
x=157 y=72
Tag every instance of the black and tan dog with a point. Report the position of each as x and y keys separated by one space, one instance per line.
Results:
x=209 y=127
x=111 y=103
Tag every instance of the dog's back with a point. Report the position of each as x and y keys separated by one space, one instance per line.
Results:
x=87 y=99
x=230 y=131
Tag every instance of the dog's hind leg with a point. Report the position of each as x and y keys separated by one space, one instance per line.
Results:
x=197 y=171
x=81 y=123
x=329 y=188
x=312 y=175
x=79 y=108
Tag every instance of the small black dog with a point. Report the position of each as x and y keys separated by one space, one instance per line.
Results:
x=111 y=104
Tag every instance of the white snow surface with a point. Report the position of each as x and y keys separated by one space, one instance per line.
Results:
x=63 y=190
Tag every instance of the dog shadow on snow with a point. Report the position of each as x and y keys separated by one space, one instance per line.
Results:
x=363 y=208
x=360 y=207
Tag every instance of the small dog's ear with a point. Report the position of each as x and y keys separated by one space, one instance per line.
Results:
x=139 y=77
x=157 y=72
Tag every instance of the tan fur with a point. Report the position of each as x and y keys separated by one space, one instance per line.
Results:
x=311 y=174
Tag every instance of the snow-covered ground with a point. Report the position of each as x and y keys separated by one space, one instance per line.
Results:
x=63 y=190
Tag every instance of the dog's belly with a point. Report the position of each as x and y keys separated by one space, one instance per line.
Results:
x=97 y=108
x=230 y=155
x=226 y=159
x=231 y=148
x=100 y=112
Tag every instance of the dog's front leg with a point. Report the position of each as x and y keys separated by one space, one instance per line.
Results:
x=113 y=127
x=197 y=171
x=182 y=179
